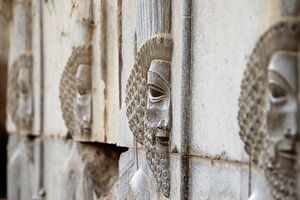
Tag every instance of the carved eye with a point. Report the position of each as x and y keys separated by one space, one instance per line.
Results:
x=277 y=91
x=81 y=91
x=155 y=93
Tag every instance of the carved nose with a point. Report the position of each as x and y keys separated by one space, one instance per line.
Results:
x=164 y=125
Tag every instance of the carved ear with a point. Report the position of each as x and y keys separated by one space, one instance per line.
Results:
x=158 y=47
x=253 y=98
x=67 y=88
x=25 y=59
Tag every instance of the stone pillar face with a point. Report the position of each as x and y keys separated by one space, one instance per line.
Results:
x=268 y=114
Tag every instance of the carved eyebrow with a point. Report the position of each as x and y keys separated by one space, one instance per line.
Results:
x=153 y=86
x=161 y=77
x=282 y=81
x=162 y=83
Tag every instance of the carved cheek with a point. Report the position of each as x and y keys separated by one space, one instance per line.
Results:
x=158 y=111
x=166 y=112
x=289 y=115
x=152 y=112
x=282 y=115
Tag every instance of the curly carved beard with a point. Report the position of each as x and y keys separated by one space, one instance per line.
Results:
x=282 y=184
x=158 y=161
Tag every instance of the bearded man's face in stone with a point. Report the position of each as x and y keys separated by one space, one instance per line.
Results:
x=282 y=109
x=158 y=120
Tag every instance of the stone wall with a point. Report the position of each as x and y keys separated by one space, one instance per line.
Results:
x=212 y=42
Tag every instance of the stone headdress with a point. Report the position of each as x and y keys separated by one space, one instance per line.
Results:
x=67 y=88
x=158 y=47
x=253 y=99
x=24 y=60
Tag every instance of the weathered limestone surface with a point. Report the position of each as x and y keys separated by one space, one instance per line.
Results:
x=37 y=63
x=128 y=51
x=218 y=179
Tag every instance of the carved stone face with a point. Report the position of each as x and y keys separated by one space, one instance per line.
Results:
x=83 y=98
x=282 y=110
x=159 y=103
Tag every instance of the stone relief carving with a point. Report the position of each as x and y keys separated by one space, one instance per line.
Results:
x=148 y=103
x=20 y=93
x=75 y=92
x=268 y=106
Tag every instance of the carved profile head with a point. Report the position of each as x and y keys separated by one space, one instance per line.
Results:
x=75 y=92
x=268 y=106
x=20 y=94
x=148 y=102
